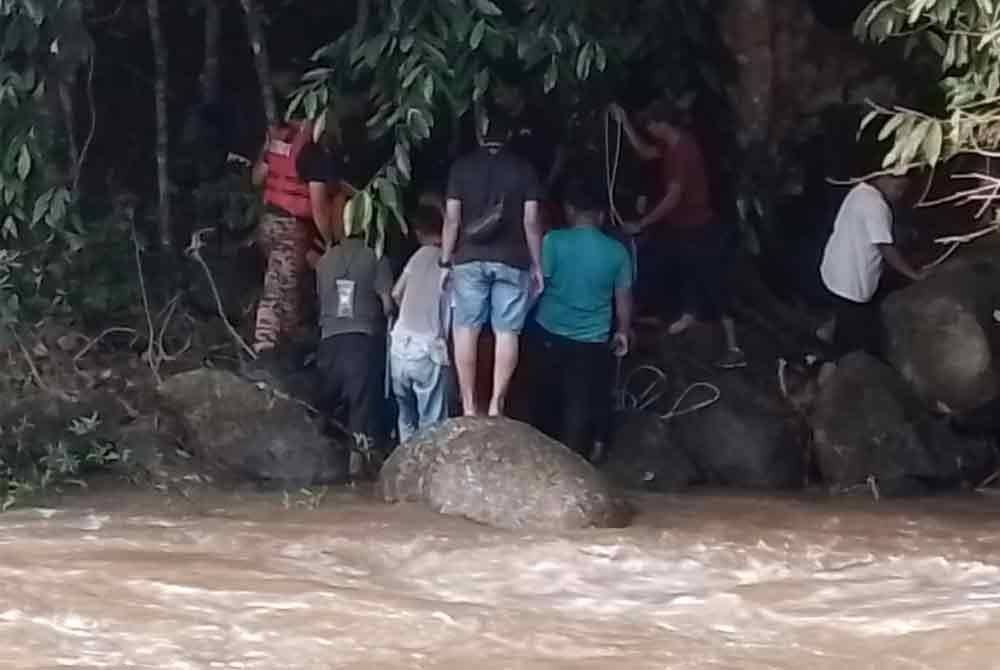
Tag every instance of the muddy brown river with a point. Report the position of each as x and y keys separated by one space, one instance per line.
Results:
x=132 y=580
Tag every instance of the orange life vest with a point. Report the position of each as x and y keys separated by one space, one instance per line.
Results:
x=284 y=188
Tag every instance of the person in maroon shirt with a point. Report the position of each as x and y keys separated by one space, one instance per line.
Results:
x=682 y=230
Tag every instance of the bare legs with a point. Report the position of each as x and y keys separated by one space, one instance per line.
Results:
x=504 y=364
x=466 y=354
x=505 y=360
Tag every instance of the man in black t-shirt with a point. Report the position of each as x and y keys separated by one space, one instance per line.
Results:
x=493 y=236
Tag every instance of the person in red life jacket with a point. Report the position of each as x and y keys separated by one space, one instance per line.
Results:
x=297 y=211
x=683 y=230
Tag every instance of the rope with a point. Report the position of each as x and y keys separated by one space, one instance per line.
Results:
x=651 y=394
x=611 y=167
x=611 y=179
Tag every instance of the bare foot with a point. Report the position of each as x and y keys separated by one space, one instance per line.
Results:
x=681 y=324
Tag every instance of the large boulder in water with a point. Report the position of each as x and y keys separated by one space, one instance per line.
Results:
x=644 y=455
x=942 y=338
x=868 y=423
x=502 y=473
x=747 y=438
x=247 y=431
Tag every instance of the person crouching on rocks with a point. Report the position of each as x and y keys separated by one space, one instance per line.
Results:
x=355 y=293
x=418 y=354
x=588 y=288
x=861 y=244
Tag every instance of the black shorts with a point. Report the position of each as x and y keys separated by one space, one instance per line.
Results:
x=858 y=326
x=687 y=271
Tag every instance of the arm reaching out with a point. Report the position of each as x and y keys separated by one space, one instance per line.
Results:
x=645 y=150
x=620 y=342
x=259 y=173
x=449 y=238
x=664 y=207
x=895 y=259
x=399 y=289
x=319 y=199
x=533 y=233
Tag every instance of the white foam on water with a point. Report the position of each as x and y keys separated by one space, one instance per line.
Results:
x=382 y=587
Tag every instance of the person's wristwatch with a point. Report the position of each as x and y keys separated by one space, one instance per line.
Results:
x=443 y=264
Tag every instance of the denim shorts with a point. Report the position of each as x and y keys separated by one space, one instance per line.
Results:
x=495 y=293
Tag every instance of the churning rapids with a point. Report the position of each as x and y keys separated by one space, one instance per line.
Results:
x=748 y=583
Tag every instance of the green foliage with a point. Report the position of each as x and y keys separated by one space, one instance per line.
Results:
x=962 y=39
x=426 y=63
x=29 y=468
x=34 y=207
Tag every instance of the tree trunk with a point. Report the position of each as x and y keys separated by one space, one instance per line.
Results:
x=162 y=128
x=68 y=110
x=256 y=34
x=210 y=69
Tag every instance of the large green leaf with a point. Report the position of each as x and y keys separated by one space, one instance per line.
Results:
x=487 y=7
x=551 y=75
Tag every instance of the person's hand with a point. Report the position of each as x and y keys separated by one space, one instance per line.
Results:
x=617 y=112
x=632 y=228
x=237 y=159
x=312 y=258
x=620 y=342
x=537 y=280
x=445 y=282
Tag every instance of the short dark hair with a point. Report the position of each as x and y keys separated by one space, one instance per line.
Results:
x=427 y=220
x=498 y=127
x=584 y=195
x=663 y=111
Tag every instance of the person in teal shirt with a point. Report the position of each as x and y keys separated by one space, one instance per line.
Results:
x=582 y=322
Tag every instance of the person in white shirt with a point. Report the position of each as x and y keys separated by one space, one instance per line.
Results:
x=419 y=348
x=861 y=243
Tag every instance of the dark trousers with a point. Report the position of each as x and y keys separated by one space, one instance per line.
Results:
x=352 y=369
x=858 y=327
x=685 y=272
x=574 y=389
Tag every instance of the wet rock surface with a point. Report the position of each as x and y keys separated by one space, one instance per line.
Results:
x=644 y=455
x=745 y=439
x=501 y=473
x=247 y=431
x=869 y=424
x=942 y=338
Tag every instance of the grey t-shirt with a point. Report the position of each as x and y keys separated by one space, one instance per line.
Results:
x=421 y=310
x=349 y=280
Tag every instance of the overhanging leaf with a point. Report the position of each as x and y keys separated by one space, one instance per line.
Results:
x=24 y=163
x=551 y=75
x=933 y=144
x=476 y=38
x=487 y=7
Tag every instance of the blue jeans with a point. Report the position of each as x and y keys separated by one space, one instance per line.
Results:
x=491 y=292
x=418 y=382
